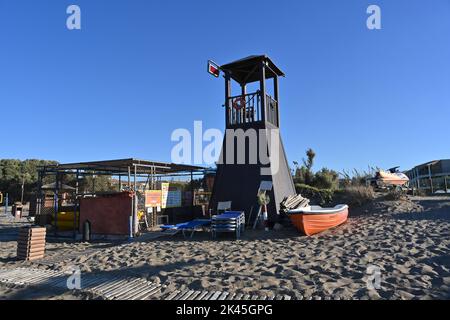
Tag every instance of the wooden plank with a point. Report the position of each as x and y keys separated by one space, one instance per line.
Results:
x=117 y=286
x=215 y=295
x=30 y=251
x=31 y=242
x=32 y=232
x=209 y=295
x=106 y=287
x=182 y=293
x=88 y=282
x=31 y=248
x=120 y=293
x=223 y=296
x=105 y=283
x=201 y=295
x=31 y=236
x=37 y=278
x=150 y=293
x=231 y=296
x=239 y=296
x=187 y=295
x=172 y=295
x=30 y=257
x=144 y=294
x=139 y=290
x=194 y=295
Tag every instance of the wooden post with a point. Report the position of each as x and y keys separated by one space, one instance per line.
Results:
x=55 y=203
x=244 y=110
x=75 y=201
x=227 y=98
x=276 y=95
x=418 y=179
x=39 y=197
x=431 y=180
x=262 y=82
x=132 y=204
x=135 y=218
x=445 y=182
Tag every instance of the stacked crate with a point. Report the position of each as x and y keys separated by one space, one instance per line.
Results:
x=31 y=243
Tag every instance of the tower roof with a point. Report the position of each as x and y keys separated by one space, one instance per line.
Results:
x=246 y=70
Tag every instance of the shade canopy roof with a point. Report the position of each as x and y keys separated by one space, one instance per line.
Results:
x=61 y=186
x=121 y=167
x=246 y=70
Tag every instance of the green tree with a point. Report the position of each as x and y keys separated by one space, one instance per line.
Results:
x=14 y=173
x=309 y=162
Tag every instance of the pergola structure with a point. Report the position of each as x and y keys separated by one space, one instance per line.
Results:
x=129 y=170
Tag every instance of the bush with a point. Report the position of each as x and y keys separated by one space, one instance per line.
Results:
x=316 y=195
x=395 y=194
x=357 y=195
x=326 y=179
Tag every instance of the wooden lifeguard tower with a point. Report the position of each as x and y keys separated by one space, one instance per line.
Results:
x=257 y=111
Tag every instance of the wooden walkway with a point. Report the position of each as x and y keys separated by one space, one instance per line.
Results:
x=219 y=295
x=116 y=286
x=110 y=286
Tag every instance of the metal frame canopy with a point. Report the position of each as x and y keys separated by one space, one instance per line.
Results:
x=121 y=167
x=130 y=168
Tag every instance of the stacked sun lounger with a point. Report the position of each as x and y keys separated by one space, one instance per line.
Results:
x=31 y=243
x=230 y=221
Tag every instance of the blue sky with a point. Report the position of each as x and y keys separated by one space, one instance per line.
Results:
x=137 y=71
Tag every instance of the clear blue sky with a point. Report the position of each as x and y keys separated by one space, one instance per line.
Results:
x=137 y=71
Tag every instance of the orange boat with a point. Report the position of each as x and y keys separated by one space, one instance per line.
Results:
x=314 y=219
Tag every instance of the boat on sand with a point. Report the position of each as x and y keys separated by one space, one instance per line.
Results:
x=314 y=219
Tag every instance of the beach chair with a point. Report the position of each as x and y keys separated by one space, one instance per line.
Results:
x=188 y=228
x=229 y=221
x=223 y=206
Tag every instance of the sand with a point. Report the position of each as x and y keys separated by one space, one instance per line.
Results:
x=409 y=241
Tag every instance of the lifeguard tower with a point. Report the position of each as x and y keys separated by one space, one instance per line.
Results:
x=258 y=112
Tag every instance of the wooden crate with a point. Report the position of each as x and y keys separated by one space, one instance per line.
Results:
x=31 y=243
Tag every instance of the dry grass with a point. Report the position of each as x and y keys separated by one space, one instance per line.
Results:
x=358 y=194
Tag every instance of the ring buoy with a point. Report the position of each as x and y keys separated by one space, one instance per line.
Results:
x=239 y=103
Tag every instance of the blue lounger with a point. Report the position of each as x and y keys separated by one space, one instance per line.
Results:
x=190 y=226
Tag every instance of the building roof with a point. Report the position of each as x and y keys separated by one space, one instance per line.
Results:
x=246 y=70
x=121 y=166
x=431 y=163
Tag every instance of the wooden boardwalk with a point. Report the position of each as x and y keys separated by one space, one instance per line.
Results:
x=116 y=286
x=219 y=295
x=110 y=286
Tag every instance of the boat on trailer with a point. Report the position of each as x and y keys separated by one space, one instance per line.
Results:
x=314 y=219
x=391 y=178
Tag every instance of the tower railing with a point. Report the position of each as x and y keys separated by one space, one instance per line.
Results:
x=247 y=108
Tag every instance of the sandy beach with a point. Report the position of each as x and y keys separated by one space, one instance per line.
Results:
x=409 y=241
